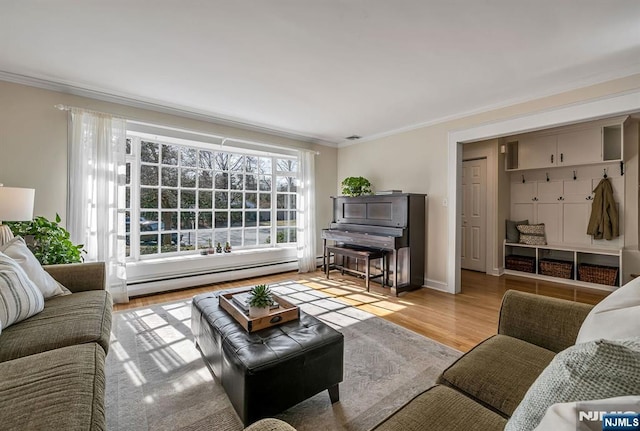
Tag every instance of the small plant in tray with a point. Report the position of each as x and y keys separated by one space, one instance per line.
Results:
x=260 y=300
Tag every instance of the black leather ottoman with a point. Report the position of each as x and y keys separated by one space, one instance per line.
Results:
x=267 y=371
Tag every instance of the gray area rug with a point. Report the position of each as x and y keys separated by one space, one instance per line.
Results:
x=156 y=379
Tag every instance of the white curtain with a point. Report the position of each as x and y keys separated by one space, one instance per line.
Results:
x=306 y=237
x=97 y=193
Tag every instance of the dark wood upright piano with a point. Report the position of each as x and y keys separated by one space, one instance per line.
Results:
x=394 y=223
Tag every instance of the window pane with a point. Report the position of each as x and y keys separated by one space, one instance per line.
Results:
x=149 y=221
x=293 y=202
x=236 y=219
x=148 y=175
x=282 y=185
x=128 y=174
x=235 y=238
x=265 y=165
x=188 y=199
x=205 y=179
x=169 y=220
x=187 y=220
x=127 y=198
x=282 y=236
x=293 y=184
x=149 y=240
x=169 y=177
x=281 y=201
x=188 y=240
x=251 y=219
x=251 y=183
x=222 y=200
x=236 y=182
x=292 y=235
x=236 y=200
x=264 y=236
x=287 y=165
x=148 y=198
x=204 y=220
x=206 y=159
x=250 y=237
x=265 y=183
x=221 y=237
x=188 y=177
x=251 y=200
x=236 y=162
x=222 y=180
x=265 y=201
x=222 y=162
x=205 y=200
x=188 y=157
x=251 y=164
x=205 y=240
x=128 y=146
x=170 y=154
x=265 y=218
x=222 y=220
x=149 y=152
x=169 y=198
x=169 y=243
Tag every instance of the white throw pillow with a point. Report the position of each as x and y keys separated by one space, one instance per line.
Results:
x=566 y=416
x=17 y=250
x=19 y=296
x=587 y=371
x=616 y=317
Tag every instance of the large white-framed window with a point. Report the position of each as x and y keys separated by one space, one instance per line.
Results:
x=184 y=197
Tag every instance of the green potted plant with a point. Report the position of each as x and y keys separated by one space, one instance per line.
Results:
x=260 y=300
x=48 y=241
x=356 y=186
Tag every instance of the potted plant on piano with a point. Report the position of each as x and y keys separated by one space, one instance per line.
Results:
x=260 y=301
x=356 y=186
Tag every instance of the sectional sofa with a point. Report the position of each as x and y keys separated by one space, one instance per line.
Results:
x=52 y=364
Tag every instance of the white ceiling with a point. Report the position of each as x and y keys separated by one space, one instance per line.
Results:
x=321 y=70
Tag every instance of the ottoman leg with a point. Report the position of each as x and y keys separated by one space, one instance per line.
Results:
x=334 y=394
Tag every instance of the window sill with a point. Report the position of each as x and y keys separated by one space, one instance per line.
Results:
x=163 y=268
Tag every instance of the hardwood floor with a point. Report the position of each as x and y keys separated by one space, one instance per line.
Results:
x=460 y=321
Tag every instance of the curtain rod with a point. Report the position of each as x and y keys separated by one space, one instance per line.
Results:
x=62 y=107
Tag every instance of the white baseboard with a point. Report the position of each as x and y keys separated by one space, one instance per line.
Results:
x=437 y=285
x=203 y=279
x=496 y=272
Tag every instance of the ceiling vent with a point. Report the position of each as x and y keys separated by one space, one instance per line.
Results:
x=353 y=137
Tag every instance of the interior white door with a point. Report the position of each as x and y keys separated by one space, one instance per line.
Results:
x=474 y=210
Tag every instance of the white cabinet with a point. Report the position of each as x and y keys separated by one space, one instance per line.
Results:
x=584 y=144
x=536 y=152
x=580 y=147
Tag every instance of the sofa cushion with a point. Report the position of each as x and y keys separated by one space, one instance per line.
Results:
x=498 y=372
x=587 y=371
x=17 y=250
x=615 y=317
x=19 y=297
x=442 y=408
x=62 y=389
x=82 y=317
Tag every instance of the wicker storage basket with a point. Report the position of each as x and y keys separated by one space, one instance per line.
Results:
x=556 y=268
x=599 y=274
x=520 y=263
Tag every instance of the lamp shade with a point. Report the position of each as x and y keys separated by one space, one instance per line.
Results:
x=16 y=204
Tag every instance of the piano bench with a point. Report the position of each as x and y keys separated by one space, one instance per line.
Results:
x=358 y=253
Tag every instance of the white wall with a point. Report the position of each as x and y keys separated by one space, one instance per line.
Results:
x=417 y=161
x=33 y=144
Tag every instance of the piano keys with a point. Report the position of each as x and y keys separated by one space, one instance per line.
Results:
x=394 y=223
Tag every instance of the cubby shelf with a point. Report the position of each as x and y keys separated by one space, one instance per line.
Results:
x=574 y=255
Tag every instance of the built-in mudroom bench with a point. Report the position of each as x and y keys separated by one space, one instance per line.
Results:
x=552 y=176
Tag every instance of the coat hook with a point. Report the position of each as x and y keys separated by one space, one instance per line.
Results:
x=523 y=179
x=621 y=168
x=574 y=176
x=547 y=176
x=605 y=173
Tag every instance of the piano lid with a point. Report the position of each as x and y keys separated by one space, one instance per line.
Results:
x=377 y=210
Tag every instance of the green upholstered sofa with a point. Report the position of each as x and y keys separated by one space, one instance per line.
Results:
x=481 y=390
x=52 y=364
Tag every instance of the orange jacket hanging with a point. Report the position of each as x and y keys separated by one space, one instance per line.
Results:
x=603 y=222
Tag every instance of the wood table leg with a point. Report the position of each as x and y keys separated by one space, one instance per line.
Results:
x=334 y=394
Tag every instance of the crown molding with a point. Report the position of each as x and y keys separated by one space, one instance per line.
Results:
x=156 y=106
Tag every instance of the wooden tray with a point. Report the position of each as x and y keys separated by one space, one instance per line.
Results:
x=286 y=312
